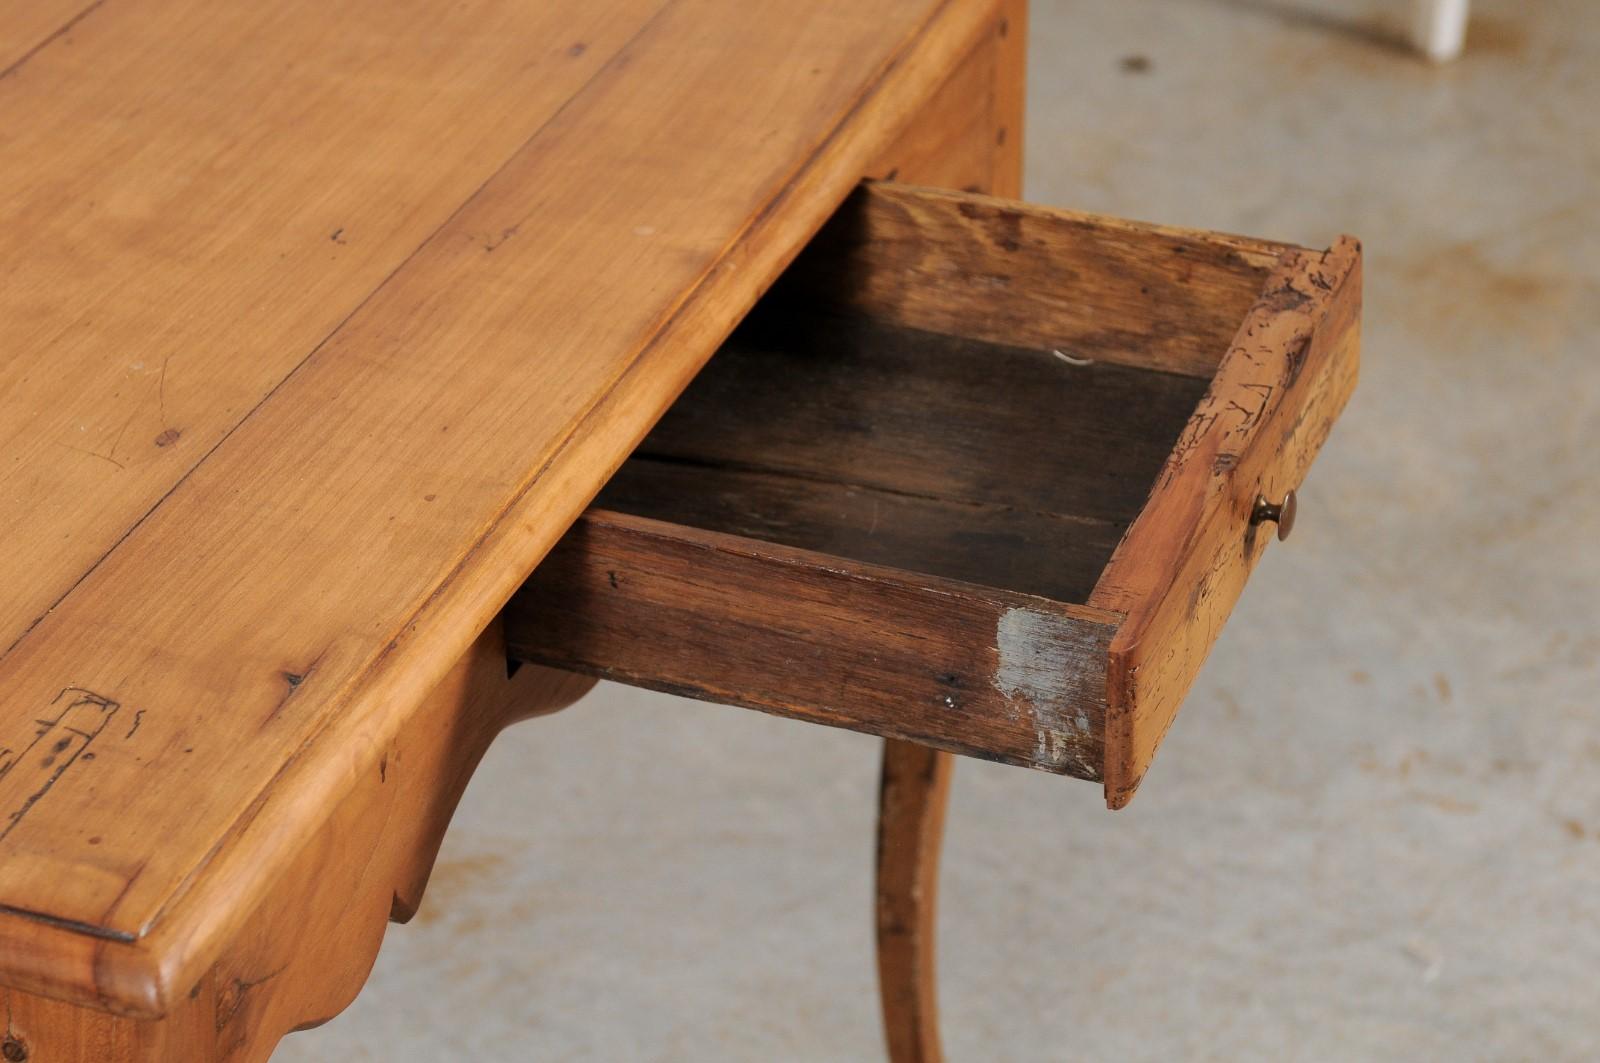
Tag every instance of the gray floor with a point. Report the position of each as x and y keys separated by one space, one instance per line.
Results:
x=1374 y=832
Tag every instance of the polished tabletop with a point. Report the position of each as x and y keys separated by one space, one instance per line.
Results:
x=321 y=322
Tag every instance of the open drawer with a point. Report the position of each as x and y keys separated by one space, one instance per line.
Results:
x=975 y=474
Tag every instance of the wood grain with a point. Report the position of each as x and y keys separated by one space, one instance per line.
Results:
x=277 y=615
x=1031 y=552
x=309 y=942
x=812 y=428
x=957 y=150
x=1000 y=466
x=959 y=667
x=1183 y=564
x=969 y=135
x=26 y=26
x=203 y=194
x=1007 y=123
x=855 y=400
x=1026 y=276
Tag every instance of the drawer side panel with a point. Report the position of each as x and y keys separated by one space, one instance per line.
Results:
x=1006 y=677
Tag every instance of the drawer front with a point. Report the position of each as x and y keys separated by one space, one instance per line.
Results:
x=1184 y=562
x=974 y=474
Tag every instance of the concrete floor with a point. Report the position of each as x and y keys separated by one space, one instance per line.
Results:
x=1374 y=832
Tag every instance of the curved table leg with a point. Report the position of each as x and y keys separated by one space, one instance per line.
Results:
x=911 y=805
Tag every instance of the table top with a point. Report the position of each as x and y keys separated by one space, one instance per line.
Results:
x=321 y=323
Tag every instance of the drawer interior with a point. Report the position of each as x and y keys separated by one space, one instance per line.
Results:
x=954 y=385
x=972 y=474
x=834 y=431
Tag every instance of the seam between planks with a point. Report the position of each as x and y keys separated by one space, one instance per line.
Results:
x=670 y=316
x=267 y=789
x=650 y=344
x=54 y=35
x=325 y=340
x=647 y=349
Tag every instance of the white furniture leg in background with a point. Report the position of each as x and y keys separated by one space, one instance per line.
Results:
x=1439 y=28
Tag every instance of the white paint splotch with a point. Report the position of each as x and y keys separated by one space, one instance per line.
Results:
x=1042 y=659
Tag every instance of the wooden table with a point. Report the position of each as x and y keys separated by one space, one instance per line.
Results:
x=322 y=324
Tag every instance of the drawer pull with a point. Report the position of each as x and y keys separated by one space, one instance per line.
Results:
x=1281 y=514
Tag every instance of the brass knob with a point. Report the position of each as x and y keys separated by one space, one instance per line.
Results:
x=1280 y=513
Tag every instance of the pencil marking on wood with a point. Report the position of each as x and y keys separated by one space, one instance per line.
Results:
x=60 y=740
x=491 y=241
x=168 y=435
x=93 y=454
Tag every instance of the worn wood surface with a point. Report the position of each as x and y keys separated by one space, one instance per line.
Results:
x=1033 y=552
x=339 y=340
x=864 y=441
x=1008 y=468
x=969 y=135
x=904 y=655
x=1183 y=564
x=852 y=400
x=28 y=25
x=197 y=195
x=307 y=945
x=1027 y=276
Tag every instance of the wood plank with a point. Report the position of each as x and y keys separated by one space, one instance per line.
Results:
x=951 y=665
x=201 y=193
x=26 y=26
x=851 y=400
x=1009 y=106
x=1026 y=276
x=1184 y=562
x=340 y=549
x=1027 y=551
x=969 y=136
x=958 y=150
